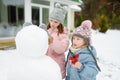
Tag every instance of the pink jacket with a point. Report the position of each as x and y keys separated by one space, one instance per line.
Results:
x=58 y=47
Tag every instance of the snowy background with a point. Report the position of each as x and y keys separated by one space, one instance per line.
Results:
x=108 y=54
x=108 y=49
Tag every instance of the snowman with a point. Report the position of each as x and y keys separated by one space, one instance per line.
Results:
x=29 y=62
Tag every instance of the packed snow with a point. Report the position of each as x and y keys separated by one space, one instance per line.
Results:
x=108 y=53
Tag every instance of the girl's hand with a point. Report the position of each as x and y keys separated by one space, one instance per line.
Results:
x=50 y=40
x=77 y=65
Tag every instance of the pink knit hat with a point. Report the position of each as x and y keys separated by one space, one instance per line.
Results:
x=84 y=31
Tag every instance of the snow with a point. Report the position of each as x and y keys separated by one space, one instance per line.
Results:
x=108 y=53
x=108 y=50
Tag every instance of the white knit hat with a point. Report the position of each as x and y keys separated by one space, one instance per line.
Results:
x=84 y=31
x=58 y=13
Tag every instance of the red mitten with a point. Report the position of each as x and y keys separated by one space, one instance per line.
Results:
x=74 y=58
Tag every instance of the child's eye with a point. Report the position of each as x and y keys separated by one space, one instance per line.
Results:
x=55 y=22
x=78 y=39
x=51 y=20
x=73 y=38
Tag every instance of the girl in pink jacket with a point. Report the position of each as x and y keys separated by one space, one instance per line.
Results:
x=59 y=37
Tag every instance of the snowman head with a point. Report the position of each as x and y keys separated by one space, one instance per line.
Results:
x=32 y=41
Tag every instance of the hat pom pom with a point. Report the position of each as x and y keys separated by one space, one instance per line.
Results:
x=87 y=23
x=43 y=26
x=27 y=24
x=65 y=8
x=57 y=5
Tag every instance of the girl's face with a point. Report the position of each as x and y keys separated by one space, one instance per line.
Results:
x=78 y=42
x=54 y=24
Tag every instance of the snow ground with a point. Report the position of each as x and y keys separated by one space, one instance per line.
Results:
x=108 y=49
